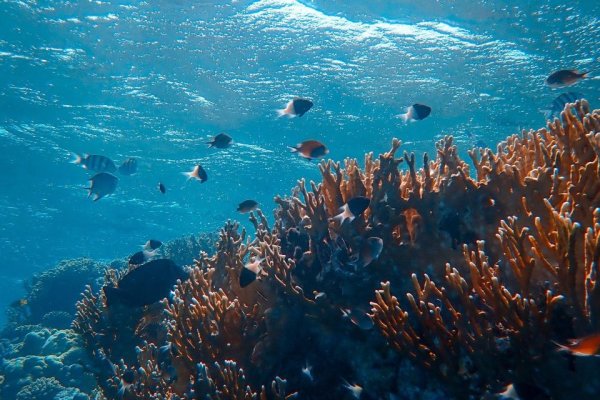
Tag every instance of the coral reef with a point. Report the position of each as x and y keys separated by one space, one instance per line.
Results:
x=498 y=267
x=55 y=291
x=43 y=364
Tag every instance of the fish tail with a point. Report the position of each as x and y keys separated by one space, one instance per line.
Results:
x=585 y=74
x=189 y=175
x=282 y=112
x=404 y=117
x=76 y=159
x=210 y=144
x=293 y=149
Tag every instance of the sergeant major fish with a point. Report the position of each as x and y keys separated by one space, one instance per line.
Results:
x=129 y=166
x=95 y=162
x=102 y=185
x=296 y=107
x=559 y=103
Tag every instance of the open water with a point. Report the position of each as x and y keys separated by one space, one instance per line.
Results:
x=156 y=79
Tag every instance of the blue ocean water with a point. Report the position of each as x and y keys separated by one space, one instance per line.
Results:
x=156 y=79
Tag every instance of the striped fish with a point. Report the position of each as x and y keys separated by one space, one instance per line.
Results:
x=559 y=103
x=129 y=166
x=95 y=162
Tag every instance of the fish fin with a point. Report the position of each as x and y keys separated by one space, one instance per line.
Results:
x=406 y=117
x=77 y=159
x=98 y=197
x=282 y=112
x=189 y=175
x=585 y=74
x=210 y=144
x=293 y=149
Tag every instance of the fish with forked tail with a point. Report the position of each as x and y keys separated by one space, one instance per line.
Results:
x=197 y=173
x=352 y=209
x=565 y=77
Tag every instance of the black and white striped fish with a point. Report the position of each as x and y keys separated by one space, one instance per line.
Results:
x=129 y=166
x=559 y=103
x=95 y=162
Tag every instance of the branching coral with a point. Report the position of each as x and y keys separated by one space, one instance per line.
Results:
x=510 y=264
x=546 y=269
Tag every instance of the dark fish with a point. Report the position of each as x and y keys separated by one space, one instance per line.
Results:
x=221 y=141
x=524 y=391
x=147 y=284
x=152 y=244
x=310 y=149
x=585 y=346
x=416 y=112
x=138 y=258
x=197 y=173
x=162 y=188
x=559 y=103
x=95 y=162
x=247 y=206
x=102 y=185
x=250 y=272
x=297 y=107
x=352 y=209
x=565 y=77
x=129 y=166
x=370 y=250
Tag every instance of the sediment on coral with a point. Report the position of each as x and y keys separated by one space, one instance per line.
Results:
x=498 y=266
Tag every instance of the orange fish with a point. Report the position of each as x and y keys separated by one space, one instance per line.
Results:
x=585 y=346
x=310 y=149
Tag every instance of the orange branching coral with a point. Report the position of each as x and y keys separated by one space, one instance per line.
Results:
x=547 y=250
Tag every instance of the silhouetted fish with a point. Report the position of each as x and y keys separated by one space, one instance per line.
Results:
x=249 y=273
x=297 y=107
x=524 y=391
x=162 y=188
x=197 y=173
x=146 y=284
x=95 y=162
x=370 y=250
x=221 y=141
x=416 y=112
x=565 y=77
x=138 y=258
x=102 y=185
x=310 y=149
x=559 y=103
x=129 y=166
x=247 y=206
x=352 y=209
x=152 y=244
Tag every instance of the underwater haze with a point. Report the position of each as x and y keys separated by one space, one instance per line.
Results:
x=156 y=81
